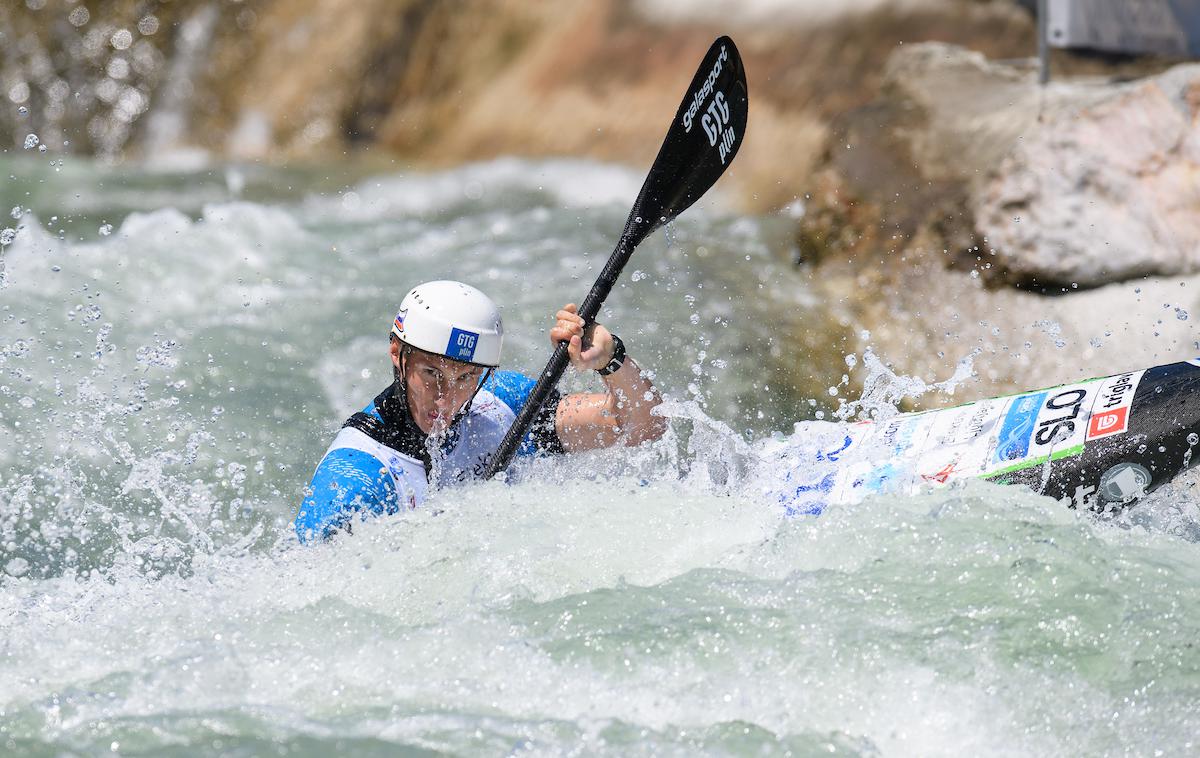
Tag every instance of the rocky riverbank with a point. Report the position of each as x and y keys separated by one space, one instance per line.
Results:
x=435 y=83
x=1055 y=229
x=945 y=202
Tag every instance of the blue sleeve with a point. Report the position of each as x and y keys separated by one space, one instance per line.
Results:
x=346 y=482
x=513 y=389
x=510 y=387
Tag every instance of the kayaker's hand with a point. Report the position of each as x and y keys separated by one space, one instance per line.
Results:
x=588 y=354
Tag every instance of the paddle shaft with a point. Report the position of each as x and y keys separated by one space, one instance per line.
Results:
x=558 y=361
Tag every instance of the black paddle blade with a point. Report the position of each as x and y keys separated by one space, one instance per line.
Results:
x=707 y=131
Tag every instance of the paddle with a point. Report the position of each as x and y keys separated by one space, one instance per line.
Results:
x=701 y=143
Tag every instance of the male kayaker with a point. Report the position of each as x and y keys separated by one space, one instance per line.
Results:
x=448 y=408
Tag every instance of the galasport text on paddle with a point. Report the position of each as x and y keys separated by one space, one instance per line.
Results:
x=703 y=139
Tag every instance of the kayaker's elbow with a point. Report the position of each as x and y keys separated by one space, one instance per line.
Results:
x=657 y=429
x=649 y=430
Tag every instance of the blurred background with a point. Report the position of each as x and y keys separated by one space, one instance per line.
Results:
x=932 y=194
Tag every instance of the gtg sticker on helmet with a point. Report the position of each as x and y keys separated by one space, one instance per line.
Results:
x=462 y=345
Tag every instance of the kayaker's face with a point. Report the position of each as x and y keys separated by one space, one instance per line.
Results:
x=437 y=387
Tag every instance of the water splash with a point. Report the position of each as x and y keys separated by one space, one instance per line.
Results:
x=884 y=390
x=611 y=602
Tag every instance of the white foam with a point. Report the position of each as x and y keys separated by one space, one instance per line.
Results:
x=566 y=183
x=156 y=226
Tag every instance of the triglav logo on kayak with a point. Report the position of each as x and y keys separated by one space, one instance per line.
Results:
x=1111 y=412
x=462 y=345
x=1105 y=424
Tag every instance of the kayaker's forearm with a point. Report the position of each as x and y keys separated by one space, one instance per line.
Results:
x=632 y=398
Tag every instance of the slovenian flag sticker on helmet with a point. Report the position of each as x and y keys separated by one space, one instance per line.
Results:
x=462 y=345
x=400 y=320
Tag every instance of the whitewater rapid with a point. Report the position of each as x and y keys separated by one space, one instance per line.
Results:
x=178 y=347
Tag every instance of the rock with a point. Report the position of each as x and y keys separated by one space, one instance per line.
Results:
x=1077 y=184
x=924 y=320
x=1106 y=187
x=911 y=229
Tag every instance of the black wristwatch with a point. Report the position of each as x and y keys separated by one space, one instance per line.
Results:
x=618 y=359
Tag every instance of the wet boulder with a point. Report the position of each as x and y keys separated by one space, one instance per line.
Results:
x=972 y=163
x=1104 y=187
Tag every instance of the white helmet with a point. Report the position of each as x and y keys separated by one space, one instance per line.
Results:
x=451 y=319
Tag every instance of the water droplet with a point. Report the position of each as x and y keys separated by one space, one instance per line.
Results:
x=694 y=318
x=41 y=148
x=7 y=236
x=122 y=39
x=23 y=111
x=16 y=567
x=1181 y=314
x=1193 y=439
x=105 y=229
x=56 y=269
x=637 y=276
x=148 y=25
x=31 y=141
